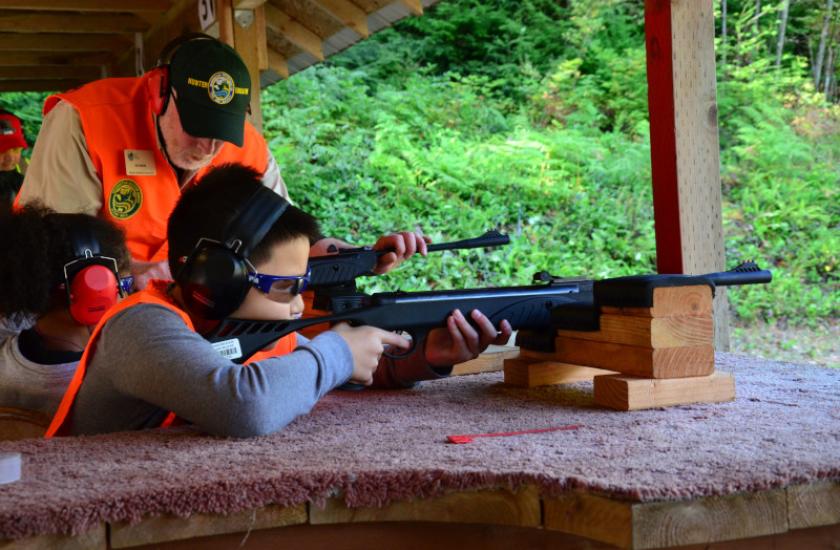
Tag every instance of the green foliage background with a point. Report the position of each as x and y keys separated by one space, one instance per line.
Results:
x=531 y=116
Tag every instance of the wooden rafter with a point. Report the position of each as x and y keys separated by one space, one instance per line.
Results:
x=58 y=42
x=35 y=22
x=38 y=85
x=46 y=72
x=280 y=22
x=90 y=5
x=347 y=13
x=22 y=59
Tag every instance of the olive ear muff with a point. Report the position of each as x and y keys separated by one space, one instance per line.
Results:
x=91 y=293
x=214 y=277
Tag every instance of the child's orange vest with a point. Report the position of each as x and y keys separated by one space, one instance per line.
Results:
x=121 y=137
x=154 y=293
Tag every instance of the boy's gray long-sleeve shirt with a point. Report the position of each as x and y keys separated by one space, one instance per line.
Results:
x=148 y=362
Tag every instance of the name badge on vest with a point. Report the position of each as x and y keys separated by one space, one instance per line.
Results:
x=139 y=162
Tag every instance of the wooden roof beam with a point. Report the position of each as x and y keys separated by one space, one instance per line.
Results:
x=247 y=4
x=414 y=6
x=347 y=13
x=277 y=63
x=60 y=42
x=16 y=21
x=38 y=85
x=44 y=72
x=135 y=6
x=281 y=23
x=23 y=59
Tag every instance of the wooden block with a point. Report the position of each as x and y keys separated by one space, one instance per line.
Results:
x=491 y=360
x=494 y=507
x=639 y=361
x=626 y=393
x=667 y=524
x=94 y=539
x=167 y=528
x=814 y=505
x=659 y=332
x=528 y=374
x=671 y=301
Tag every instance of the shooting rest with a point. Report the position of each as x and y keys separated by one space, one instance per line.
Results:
x=652 y=346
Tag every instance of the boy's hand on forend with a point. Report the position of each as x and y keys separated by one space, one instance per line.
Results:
x=367 y=345
x=404 y=245
x=460 y=341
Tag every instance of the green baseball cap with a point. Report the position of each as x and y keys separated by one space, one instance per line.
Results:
x=213 y=89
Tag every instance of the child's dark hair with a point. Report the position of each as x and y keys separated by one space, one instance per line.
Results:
x=35 y=244
x=205 y=210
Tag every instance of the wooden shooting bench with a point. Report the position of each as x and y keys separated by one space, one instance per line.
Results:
x=544 y=467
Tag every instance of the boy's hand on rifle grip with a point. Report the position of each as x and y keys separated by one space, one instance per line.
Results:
x=460 y=341
x=367 y=345
x=404 y=246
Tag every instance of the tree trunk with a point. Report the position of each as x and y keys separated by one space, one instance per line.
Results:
x=723 y=33
x=757 y=15
x=829 y=73
x=780 y=45
x=823 y=42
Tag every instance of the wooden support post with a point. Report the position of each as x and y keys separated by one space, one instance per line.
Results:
x=685 y=152
x=249 y=40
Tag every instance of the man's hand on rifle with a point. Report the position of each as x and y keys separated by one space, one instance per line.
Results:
x=404 y=246
x=460 y=341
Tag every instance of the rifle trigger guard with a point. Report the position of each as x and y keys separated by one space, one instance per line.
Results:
x=405 y=353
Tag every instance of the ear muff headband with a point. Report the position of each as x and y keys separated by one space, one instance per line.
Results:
x=159 y=90
x=91 y=279
x=214 y=278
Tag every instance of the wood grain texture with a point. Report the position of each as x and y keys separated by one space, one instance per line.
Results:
x=814 y=505
x=671 y=523
x=644 y=362
x=497 y=507
x=163 y=529
x=713 y=519
x=491 y=360
x=671 y=301
x=529 y=374
x=662 y=332
x=626 y=393
x=95 y=539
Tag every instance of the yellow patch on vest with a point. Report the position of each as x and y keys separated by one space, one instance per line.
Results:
x=125 y=199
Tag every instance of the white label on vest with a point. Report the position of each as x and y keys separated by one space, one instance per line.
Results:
x=229 y=349
x=139 y=162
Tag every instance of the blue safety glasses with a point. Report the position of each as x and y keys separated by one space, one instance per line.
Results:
x=277 y=285
x=126 y=285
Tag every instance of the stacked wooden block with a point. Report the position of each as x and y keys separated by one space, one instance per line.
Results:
x=641 y=357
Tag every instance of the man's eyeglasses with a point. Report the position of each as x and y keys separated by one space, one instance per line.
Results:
x=277 y=285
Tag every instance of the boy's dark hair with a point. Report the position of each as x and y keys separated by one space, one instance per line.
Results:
x=206 y=208
x=35 y=243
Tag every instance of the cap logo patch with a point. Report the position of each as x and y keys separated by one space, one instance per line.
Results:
x=221 y=89
x=125 y=199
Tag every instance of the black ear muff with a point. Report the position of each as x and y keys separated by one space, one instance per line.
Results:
x=214 y=280
x=214 y=277
x=159 y=90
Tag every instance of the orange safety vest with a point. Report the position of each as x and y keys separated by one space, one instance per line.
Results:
x=154 y=293
x=119 y=126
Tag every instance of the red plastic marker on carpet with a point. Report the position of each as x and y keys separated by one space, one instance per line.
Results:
x=468 y=438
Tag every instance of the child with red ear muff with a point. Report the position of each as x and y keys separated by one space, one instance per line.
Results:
x=60 y=275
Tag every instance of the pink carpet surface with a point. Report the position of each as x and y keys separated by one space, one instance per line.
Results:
x=374 y=447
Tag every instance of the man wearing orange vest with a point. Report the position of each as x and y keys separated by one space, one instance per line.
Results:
x=125 y=148
x=146 y=360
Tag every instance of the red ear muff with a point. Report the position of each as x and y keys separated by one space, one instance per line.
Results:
x=93 y=291
x=158 y=89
